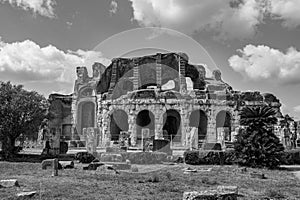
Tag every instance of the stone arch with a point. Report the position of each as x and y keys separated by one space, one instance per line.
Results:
x=172 y=125
x=118 y=123
x=198 y=118
x=224 y=120
x=145 y=119
x=85 y=115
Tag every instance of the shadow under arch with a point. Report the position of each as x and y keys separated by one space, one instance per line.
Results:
x=145 y=120
x=198 y=119
x=223 y=121
x=118 y=123
x=172 y=125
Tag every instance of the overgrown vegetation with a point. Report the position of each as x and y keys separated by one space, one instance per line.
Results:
x=257 y=145
x=79 y=184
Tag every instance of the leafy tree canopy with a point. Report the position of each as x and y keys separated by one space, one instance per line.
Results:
x=21 y=112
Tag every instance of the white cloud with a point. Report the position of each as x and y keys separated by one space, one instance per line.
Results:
x=187 y=16
x=297 y=109
x=41 y=7
x=113 y=7
x=228 y=19
x=286 y=10
x=265 y=63
x=27 y=62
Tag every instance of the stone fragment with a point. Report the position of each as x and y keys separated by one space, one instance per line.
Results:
x=92 y=166
x=119 y=165
x=111 y=157
x=26 y=195
x=52 y=163
x=258 y=175
x=134 y=169
x=220 y=193
x=9 y=183
x=108 y=169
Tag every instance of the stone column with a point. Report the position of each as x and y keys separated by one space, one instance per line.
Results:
x=184 y=126
x=211 y=127
x=74 y=117
x=132 y=128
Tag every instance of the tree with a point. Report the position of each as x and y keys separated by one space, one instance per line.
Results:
x=21 y=112
x=257 y=145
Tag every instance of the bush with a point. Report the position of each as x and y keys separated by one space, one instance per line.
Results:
x=255 y=149
x=291 y=157
x=257 y=145
x=209 y=157
x=191 y=157
x=84 y=157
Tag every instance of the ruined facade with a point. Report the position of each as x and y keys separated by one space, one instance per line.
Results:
x=157 y=96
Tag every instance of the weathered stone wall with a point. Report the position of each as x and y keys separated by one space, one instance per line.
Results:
x=210 y=95
x=60 y=109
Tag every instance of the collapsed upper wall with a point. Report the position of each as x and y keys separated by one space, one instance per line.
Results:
x=169 y=62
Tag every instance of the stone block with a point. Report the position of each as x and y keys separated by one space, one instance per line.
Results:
x=112 y=149
x=258 y=175
x=9 y=183
x=52 y=163
x=26 y=195
x=111 y=157
x=119 y=165
x=220 y=193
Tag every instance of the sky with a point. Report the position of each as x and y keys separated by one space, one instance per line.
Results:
x=255 y=43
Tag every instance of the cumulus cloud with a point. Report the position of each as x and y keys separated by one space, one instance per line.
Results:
x=228 y=19
x=297 y=109
x=286 y=10
x=27 y=62
x=265 y=63
x=113 y=7
x=41 y=7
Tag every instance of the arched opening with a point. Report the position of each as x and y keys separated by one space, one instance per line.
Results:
x=118 y=123
x=223 y=125
x=145 y=122
x=171 y=128
x=198 y=119
x=86 y=115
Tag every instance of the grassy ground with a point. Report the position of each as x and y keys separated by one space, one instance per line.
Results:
x=78 y=184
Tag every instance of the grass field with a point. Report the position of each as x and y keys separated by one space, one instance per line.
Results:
x=78 y=184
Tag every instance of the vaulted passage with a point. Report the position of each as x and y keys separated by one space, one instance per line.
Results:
x=172 y=128
x=145 y=121
x=118 y=123
x=198 y=119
